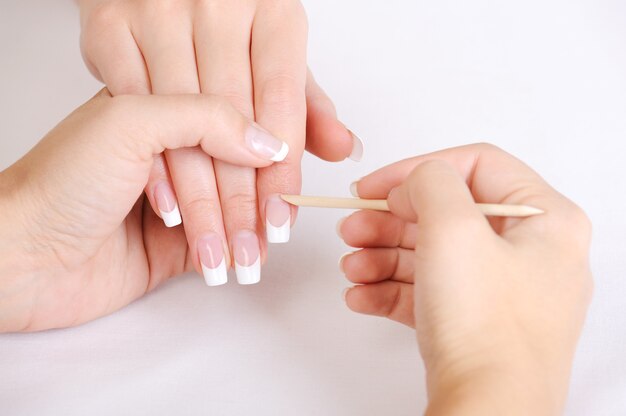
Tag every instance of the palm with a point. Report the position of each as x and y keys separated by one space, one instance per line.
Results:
x=139 y=254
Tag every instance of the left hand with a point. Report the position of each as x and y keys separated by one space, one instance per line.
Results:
x=252 y=52
x=78 y=239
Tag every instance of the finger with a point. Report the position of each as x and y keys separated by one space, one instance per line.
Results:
x=490 y=173
x=156 y=123
x=377 y=229
x=326 y=136
x=278 y=56
x=105 y=53
x=170 y=56
x=372 y=265
x=393 y=300
x=222 y=39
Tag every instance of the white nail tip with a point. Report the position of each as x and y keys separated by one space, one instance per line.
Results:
x=249 y=275
x=172 y=218
x=353 y=189
x=357 y=148
x=217 y=276
x=343 y=256
x=282 y=153
x=278 y=234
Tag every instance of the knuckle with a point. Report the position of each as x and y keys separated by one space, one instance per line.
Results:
x=577 y=225
x=234 y=92
x=201 y=205
x=241 y=208
x=103 y=15
x=285 y=177
x=486 y=147
x=283 y=95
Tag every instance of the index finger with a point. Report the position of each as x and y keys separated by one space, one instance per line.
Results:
x=492 y=176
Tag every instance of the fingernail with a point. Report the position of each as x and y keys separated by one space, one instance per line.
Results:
x=247 y=257
x=338 y=227
x=265 y=145
x=211 y=252
x=166 y=204
x=357 y=147
x=277 y=219
x=345 y=293
x=341 y=260
x=353 y=190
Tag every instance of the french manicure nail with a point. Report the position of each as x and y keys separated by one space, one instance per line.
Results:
x=277 y=219
x=247 y=257
x=353 y=190
x=341 y=259
x=212 y=260
x=357 y=147
x=265 y=145
x=166 y=204
x=338 y=227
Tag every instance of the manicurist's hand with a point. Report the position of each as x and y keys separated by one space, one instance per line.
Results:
x=498 y=304
x=78 y=239
x=252 y=52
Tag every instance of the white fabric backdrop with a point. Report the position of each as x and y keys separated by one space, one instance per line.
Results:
x=545 y=79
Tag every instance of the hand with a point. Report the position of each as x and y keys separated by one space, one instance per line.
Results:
x=498 y=303
x=252 y=52
x=78 y=241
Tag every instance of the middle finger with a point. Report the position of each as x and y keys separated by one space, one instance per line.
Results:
x=222 y=37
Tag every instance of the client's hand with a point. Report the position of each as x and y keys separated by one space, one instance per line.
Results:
x=498 y=304
x=78 y=239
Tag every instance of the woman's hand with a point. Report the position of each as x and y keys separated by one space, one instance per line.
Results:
x=252 y=52
x=78 y=240
x=498 y=303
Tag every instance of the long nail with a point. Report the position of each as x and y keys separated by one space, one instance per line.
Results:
x=357 y=147
x=166 y=204
x=247 y=257
x=338 y=226
x=353 y=190
x=277 y=219
x=212 y=260
x=341 y=260
x=265 y=145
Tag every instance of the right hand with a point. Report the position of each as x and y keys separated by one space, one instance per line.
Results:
x=252 y=52
x=498 y=303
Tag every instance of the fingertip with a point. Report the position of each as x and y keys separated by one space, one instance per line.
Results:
x=327 y=138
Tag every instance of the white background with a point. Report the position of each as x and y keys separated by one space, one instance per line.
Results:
x=545 y=79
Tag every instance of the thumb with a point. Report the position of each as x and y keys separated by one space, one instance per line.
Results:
x=148 y=124
x=434 y=194
x=95 y=164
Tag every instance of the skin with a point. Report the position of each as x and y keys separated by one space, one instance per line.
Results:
x=79 y=238
x=498 y=304
x=252 y=52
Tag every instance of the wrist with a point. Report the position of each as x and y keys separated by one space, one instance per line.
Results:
x=503 y=384
x=20 y=270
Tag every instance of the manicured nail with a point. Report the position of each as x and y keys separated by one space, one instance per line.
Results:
x=338 y=226
x=345 y=293
x=166 y=204
x=247 y=257
x=265 y=145
x=277 y=219
x=357 y=147
x=211 y=251
x=353 y=190
x=341 y=260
